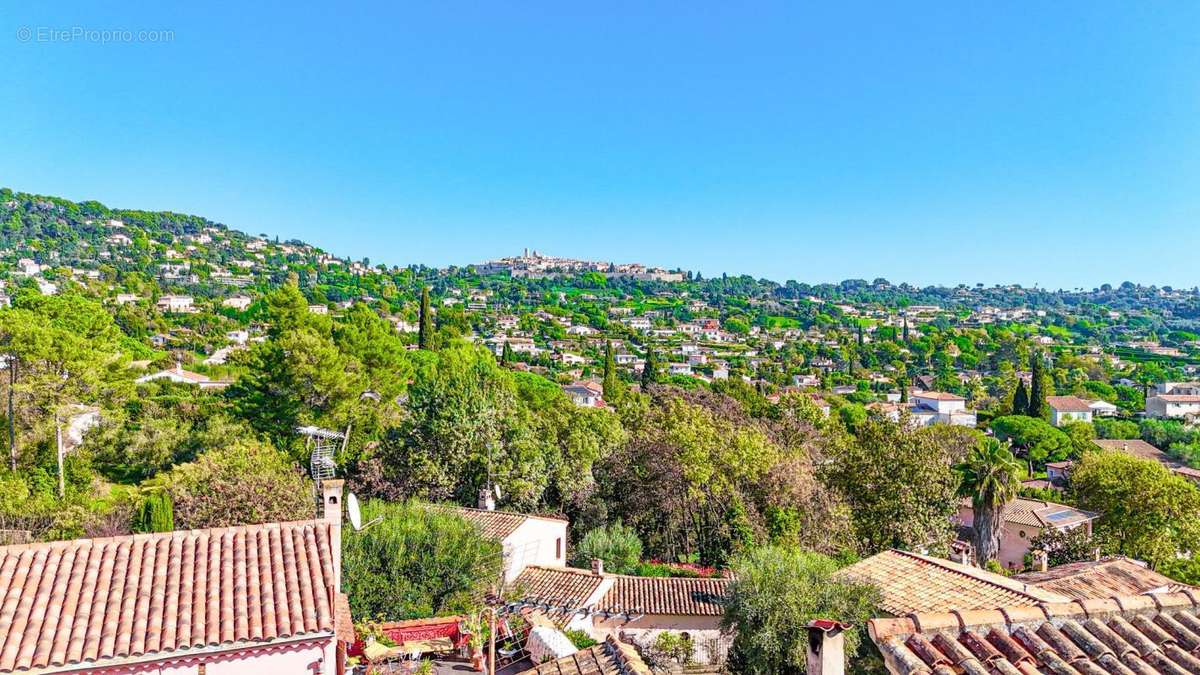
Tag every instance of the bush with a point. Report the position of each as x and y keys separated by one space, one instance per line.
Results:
x=775 y=592
x=239 y=485
x=1110 y=428
x=155 y=513
x=617 y=545
x=418 y=561
x=580 y=639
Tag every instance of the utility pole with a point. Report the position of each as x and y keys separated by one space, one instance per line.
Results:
x=62 y=488
x=12 y=419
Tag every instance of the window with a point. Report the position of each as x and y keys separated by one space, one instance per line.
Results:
x=1022 y=533
x=558 y=549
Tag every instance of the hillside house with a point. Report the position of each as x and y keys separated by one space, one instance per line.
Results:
x=179 y=304
x=238 y=302
x=1173 y=406
x=1025 y=519
x=1067 y=409
x=178 y=374
x=526 y=540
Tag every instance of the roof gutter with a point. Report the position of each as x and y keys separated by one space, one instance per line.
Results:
x=179 y=654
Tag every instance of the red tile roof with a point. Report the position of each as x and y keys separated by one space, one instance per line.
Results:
x=1102 y=578
x=562 y=586
x=1144 y=634
x=1069 y=404
x=909 y=582
x=101 y=600
x=667 y=595
x=495 y=524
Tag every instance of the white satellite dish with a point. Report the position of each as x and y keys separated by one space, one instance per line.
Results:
x=355 y=513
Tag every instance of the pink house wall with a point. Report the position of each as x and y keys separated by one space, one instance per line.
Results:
x=310 y=657
x=1014 y=538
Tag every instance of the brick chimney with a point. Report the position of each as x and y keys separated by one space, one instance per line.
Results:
x=598 y=567
x=826 y=647
x=331 y=501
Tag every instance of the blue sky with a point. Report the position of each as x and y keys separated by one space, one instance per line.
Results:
x=1048 y=143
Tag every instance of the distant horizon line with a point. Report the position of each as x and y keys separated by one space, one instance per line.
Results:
x=1194 y=287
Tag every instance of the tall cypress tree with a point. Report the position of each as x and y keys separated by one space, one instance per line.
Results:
x=1020 y=403
x=506 y=354
x=650 y=370
x=612 y=387
x=1037 y=386
x=860 y=334
x=905 y=328
x=425 y=332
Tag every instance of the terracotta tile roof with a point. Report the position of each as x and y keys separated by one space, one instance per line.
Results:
x=563 y=586
x=910 y=582
x=1039 y=513
x=607 y=658
x=495 y=524
x=1144 y=450
x=667 y=595
x=98 y=601
x=1143 y=634
x=937 y=396
x=1069 y=404
x=1102 y=578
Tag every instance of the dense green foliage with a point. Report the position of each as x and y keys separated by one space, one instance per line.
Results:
x=776 y=591
x=618 y=546
x=418 y=561
x=1146 y=512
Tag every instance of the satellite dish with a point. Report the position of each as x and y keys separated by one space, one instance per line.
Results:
x=354 y=511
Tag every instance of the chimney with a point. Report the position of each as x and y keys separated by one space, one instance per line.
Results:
x=331 y=501
x=486 y=501
x=598 y=567
x=1096 y=553
x=826 y=647
x=1042 y=559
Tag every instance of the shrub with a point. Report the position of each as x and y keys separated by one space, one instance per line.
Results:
x=617 y=545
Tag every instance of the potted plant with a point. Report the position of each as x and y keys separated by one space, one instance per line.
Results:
x=475 y=643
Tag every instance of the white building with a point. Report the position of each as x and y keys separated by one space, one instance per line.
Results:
x=238 y=302
x=1067 y=409
x=526 y=540
x=175 y=303
x=1180 y=406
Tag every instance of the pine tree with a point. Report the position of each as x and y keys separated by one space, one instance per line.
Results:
x=650 y=370
x=612 y=386
x=1020 y=403
x=1037 y=386
x=425 y=332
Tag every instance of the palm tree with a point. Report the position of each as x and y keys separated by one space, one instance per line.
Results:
x=989 y=478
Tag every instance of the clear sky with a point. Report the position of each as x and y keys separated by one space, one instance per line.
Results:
x=1055 y=143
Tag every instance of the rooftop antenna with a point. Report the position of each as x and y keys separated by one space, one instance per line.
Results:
x=322 y=444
